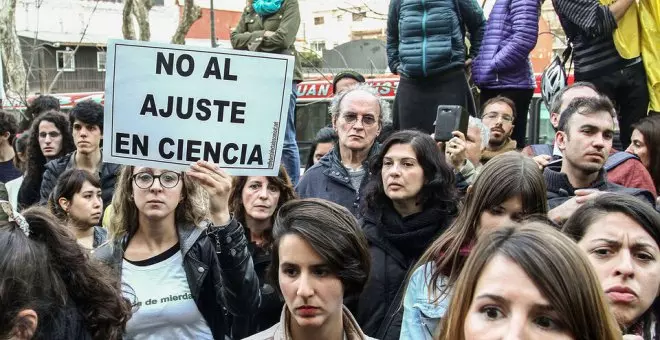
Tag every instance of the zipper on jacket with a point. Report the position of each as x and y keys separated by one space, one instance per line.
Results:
x=424 y=38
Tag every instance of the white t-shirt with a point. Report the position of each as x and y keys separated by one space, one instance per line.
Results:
x=165 y=307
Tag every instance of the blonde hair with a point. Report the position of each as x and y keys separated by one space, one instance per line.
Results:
x=559 y=270
x=193 y=208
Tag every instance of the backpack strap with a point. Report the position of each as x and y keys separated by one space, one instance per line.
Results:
x=616 y=159
x=541 y=149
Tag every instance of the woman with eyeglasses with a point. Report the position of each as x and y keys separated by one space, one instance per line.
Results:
x=182 y=259
x=50 y=138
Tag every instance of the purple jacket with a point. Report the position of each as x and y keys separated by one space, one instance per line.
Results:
x=511 y=34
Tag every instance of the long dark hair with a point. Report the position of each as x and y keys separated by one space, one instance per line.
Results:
x=649 y=127
x=283 y=184
x=325 y=135
x=68 y=184
x=505 y=176
x=36 y=163
x=50 y=273
x=439 y=189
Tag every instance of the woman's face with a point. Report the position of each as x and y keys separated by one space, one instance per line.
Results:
x=50 y=139
x=403 y=176
x=505 y=214
x=321 y=150
x=260 y=198
x=507 y=305
x=638 y=147
x=159 y=199
x=313 y=294
x=86 y=206
x=625 y=257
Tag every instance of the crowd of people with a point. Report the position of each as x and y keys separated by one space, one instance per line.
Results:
x=385 y=232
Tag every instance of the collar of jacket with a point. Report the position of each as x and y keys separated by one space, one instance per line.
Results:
x=113 y=254
x=352 y=330
x=336 y=170
x=557 y=181
x=105 y=169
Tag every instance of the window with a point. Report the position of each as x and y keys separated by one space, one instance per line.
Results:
x=317 y=46
x=66 y=61
x=100 y=61
x=359 y=16
x=319 y=21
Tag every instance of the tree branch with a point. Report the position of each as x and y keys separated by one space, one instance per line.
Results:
x=59 y=73
x=11 y=51
x=191 y=13
x=141 y=12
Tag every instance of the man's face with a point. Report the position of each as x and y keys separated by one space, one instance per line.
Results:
x=87 y=137
x=358 y=122
x=498 y=117
x=473 y=145
x=588 y=140
x=567 y=98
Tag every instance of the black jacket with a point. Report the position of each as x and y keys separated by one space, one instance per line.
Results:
x=108 y=175
x=218 y=268
x=560 y=189
x=270 y=309
x=383 y=293
x=329 y=179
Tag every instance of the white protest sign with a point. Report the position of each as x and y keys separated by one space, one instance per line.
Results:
x=167 y=106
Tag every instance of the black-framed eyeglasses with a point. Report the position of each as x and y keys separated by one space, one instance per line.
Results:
x=167 y=179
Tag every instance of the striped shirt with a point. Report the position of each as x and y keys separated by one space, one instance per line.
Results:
x=589 y=26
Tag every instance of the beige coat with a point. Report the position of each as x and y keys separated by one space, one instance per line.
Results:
x=280 y=331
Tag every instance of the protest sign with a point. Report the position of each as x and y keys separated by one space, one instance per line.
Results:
x=167 y=106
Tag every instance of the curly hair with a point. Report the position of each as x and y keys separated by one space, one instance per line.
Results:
x=439 y=188
x=283 y=184
x=36 y=161
x=8 y=124
x=51 y=274
x=124 y=221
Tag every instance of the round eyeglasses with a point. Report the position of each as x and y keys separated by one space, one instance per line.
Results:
x=167 y=179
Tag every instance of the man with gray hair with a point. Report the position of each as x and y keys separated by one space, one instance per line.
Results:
x=463 y=152
x=357 y=117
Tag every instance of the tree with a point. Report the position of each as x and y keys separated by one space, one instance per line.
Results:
x=191 y=13
x=10 y=48
x=138 y=9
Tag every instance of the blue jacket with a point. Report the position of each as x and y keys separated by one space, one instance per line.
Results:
x=422 y=315
x=426 y=37
x=329 y=179
x=511 y=34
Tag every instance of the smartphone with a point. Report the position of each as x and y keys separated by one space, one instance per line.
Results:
x=450 y=118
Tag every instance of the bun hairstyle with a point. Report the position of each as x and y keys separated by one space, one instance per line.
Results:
x=42 y=268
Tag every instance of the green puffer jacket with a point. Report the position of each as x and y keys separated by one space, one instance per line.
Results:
x=249 y=33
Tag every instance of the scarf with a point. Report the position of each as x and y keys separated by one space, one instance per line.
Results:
x=266 y=7
x=411 y=235
x=487 y=155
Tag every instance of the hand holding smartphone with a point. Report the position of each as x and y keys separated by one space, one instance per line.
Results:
x=450 y=118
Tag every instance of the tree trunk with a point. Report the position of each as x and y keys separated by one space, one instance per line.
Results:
x=141 y=12
x=127 y=21
x=10 y=47
x=191 y=13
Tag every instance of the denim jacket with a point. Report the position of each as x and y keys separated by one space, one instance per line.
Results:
x=421 y=314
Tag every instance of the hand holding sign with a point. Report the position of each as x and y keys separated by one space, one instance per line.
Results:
x=218 y=184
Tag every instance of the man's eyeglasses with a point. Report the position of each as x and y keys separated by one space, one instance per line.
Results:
x=52 y=134
x=494 y=115
x=352 y=118
x=168 y=179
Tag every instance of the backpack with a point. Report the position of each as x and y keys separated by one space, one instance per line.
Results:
x=616 y=159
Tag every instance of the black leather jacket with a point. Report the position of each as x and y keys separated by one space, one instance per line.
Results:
x=218 y=267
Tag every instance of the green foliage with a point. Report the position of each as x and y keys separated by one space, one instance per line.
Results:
x=310 y=59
